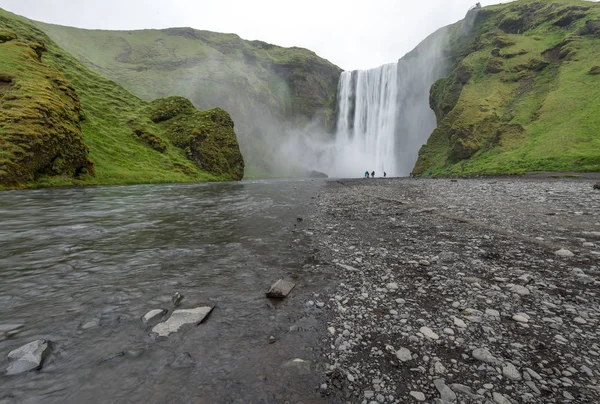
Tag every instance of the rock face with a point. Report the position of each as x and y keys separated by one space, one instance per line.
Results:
x=280 y=289
x=27 y=357
x=476 y=134
x=180 y=318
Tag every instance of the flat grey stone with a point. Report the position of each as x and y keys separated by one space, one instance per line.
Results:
x=510 y=371
x=392 y=286
x=179 y=318
x=280 y=289
x=153 y=315
x=500 y=399
x=564 y=253
x=27 y=357
x=445 y=392
x=404 y=354
x=428 y=332
x=520 y=290
x=484 y=355
x=418 y=395
x=520 y=318
x=459 y=323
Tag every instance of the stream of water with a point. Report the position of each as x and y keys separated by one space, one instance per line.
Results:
x=107 y=255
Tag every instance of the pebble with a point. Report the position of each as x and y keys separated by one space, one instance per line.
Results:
x=564 y=253
x=404 y=354
x=428 y=332
x=510 y=371
x=520 y=318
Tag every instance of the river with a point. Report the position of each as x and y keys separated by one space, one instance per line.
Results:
x=104 y=256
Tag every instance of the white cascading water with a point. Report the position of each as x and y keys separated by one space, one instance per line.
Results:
x=367 y=103
x=384 y=115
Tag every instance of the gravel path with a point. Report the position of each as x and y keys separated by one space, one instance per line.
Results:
x=454 y=291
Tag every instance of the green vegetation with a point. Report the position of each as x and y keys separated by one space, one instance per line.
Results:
x=62 y=124
x=266 y=88
x=523 y=94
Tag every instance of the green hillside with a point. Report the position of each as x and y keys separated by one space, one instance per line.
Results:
x=62 y=124
x=266 y=88
x=523 y=94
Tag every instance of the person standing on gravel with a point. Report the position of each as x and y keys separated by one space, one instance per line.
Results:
x=372 y=174
x=366 y=174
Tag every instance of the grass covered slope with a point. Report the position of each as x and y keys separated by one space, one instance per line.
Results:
x=524 y=93
x=266 y=88
x=125 y=145
x=40 y=131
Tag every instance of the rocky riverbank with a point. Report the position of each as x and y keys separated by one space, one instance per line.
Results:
x=482 y=291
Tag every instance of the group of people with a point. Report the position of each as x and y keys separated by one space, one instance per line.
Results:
x=373 y=174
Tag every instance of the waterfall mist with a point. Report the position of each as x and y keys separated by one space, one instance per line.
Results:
x=383 y=119
x=384 y=115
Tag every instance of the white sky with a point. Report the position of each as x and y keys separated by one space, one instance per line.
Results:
x=351 y=34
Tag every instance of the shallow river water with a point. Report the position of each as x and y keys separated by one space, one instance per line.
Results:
x=104 y=256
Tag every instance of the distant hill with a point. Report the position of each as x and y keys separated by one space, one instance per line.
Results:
x=267 y=89
x=522 y=93
x=62 y=124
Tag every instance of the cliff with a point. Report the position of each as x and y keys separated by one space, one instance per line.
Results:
x=522 y=93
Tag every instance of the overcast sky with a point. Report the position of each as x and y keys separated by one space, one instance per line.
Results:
x=351 y=34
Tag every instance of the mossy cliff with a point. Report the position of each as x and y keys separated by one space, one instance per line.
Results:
x=62 y=124
x=522 y=93
x=40 y=132
x=266 y=88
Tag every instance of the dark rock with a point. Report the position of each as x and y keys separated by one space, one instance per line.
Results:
x=569 y=18
x=6 y=35
x=595 y=70
x=317 y=174
x=591 y=27
x=597 y=185
x=494 y=65
x=280 y=289
x=176 y=299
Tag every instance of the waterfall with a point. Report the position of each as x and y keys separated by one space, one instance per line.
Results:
x=384 y=115
x=367 y=103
